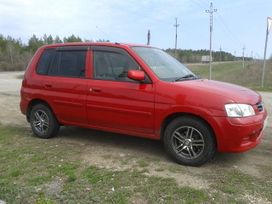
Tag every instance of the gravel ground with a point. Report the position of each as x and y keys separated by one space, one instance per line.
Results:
x=10 y=84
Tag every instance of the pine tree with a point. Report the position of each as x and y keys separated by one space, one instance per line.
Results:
x=57 y=39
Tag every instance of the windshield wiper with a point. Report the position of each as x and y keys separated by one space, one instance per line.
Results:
x=186 y=77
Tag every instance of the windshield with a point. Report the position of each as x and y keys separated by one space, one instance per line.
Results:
x=163 y=65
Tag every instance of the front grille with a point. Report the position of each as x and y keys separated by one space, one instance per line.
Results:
x=260 y=106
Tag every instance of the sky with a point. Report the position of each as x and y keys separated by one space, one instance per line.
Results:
x=237 y=24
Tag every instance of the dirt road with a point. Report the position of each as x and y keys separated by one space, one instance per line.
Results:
x=114 y=151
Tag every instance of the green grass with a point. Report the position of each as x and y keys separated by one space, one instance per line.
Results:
x=142 y=163
x=233 y=72
x=43 y=200
x=41 y=171
x=29 y=165
x=234 y=184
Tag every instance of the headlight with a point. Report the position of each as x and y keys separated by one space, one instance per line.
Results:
x=239 y=110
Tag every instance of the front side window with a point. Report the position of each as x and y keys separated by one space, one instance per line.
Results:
x=68 y=64
x=163 y=65
x=112 y=65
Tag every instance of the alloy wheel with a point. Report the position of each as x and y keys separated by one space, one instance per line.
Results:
x=187 y=142
x=41 y=122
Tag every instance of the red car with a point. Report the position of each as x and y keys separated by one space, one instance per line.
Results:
x=140 y=91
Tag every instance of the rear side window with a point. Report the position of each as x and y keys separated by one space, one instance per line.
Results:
x=68 y=63
x=45 y=60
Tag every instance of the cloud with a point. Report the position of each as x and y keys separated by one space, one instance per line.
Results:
x=129 y=20
x=84 y=17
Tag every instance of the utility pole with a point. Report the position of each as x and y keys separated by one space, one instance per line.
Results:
x=220 y=53
x=148 y=37
x=211 y=11
x=244 y=57
x=10 y=52
x=269 y=26
x=176 y=25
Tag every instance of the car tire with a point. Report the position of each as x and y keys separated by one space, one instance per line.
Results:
x=43 y=121
x=189 y=141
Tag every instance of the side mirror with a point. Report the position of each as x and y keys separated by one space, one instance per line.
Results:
x=136 y=75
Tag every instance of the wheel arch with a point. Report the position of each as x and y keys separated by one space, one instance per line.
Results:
x=34 y=102
x=173 y=116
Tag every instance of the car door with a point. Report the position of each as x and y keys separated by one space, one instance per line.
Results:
x=65 y=85
x=116 y=102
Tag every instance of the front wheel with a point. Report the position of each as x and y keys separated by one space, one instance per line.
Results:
x=189 y=141
x=43 y=122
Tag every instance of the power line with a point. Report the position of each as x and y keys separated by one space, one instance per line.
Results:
x=211 y=11
x=234 y=39
x=226 y=27
x=200 y=4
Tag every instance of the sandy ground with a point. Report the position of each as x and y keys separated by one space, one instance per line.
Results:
x=119 y=152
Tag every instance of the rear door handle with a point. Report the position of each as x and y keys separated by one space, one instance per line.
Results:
x=95 y=90
x=48 y=85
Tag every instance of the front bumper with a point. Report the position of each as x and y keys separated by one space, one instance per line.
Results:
x=239 y=134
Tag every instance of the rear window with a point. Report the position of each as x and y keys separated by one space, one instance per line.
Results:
x=45 y=60
x=68 y=63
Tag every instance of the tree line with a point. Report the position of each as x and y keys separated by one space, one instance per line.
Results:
x=14 y=54
x=195 y=56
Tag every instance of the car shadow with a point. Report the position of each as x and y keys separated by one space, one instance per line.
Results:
x=227 y=159
x=112 y=140
x=135 y=145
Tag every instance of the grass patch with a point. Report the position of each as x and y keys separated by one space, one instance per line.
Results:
x=124 y=184
x=31 y=169
x=159 y=169
x=142 y=163
x=34 y=170
x=15 y=173
x=233 y=72
x=38 y=180
x=43 y=200
x=175 y=168
x=235 y=183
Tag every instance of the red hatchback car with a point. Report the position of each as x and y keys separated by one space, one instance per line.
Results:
x=141 y=91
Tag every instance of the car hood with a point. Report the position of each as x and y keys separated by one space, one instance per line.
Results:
x=231 y=92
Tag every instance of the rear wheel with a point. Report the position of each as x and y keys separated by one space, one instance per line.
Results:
x=189 y=141
x=43 y=122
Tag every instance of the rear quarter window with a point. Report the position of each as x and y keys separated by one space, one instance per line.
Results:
x=45 y=61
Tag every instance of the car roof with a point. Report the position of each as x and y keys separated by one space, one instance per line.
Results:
x=107 y=44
